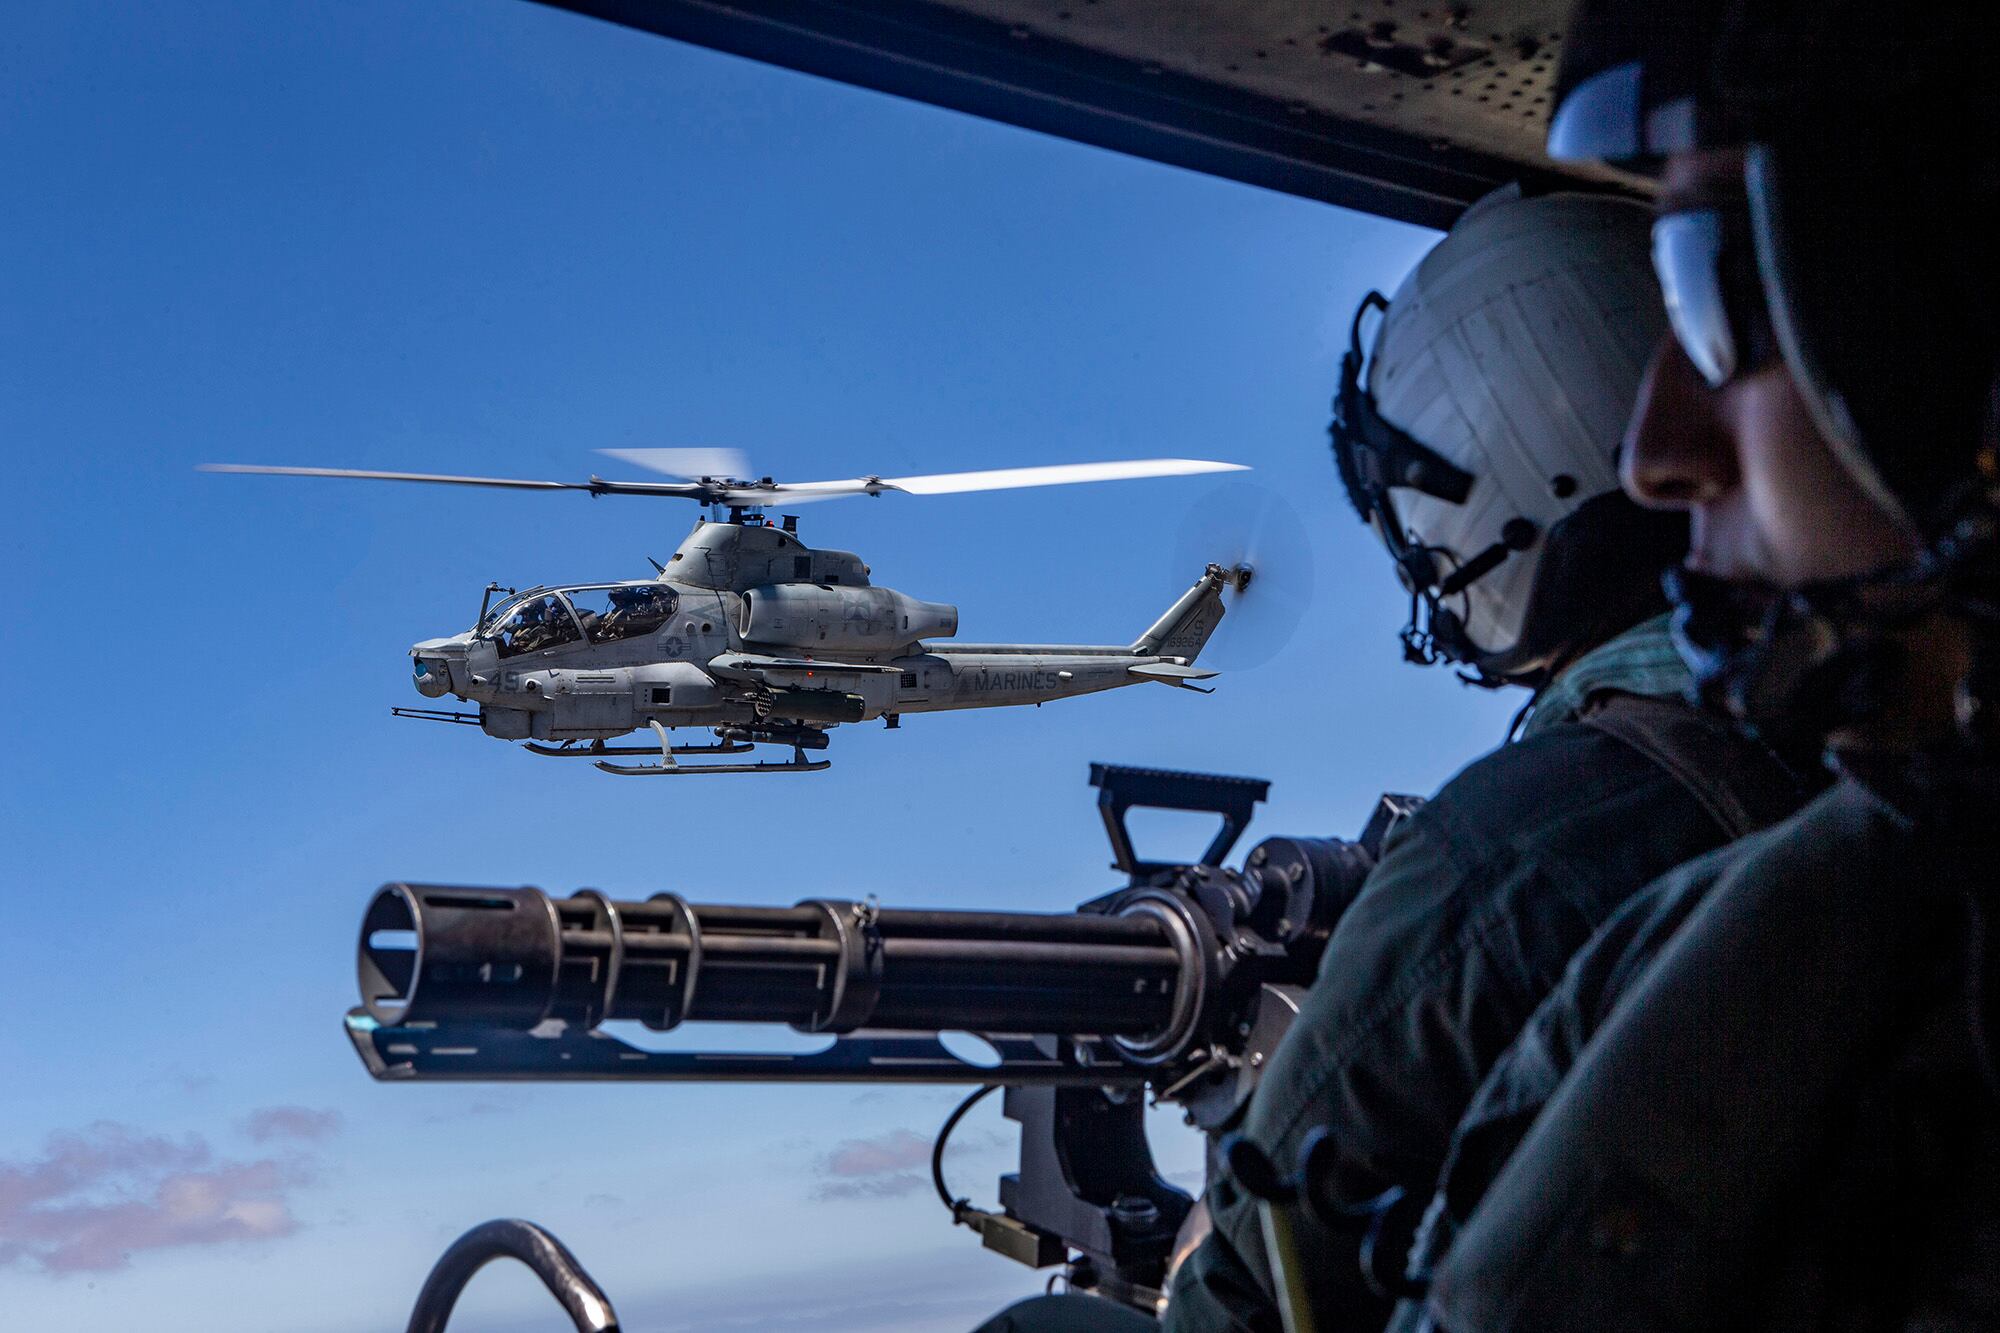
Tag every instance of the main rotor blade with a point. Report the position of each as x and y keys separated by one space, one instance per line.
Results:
x=595 y=486
x=510 y=482
x=757 y=494
x=733 y=463
x=1010 y=478
x=1061 y=474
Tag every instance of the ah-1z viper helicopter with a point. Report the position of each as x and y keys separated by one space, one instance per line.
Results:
x=750 y=632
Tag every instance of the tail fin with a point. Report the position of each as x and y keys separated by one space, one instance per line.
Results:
x=1189 y=622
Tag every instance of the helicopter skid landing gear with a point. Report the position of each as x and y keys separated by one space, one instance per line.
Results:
x=668 y=766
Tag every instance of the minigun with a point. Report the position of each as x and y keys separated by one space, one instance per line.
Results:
x=1181 y=982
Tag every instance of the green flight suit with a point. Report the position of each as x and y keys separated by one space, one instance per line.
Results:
x=1764 y=1096
x=1478 y=902
x=1459 y=933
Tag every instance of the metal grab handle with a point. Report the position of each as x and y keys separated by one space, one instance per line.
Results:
x=511 y=1238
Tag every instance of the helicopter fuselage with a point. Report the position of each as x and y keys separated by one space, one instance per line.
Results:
x=749 y=631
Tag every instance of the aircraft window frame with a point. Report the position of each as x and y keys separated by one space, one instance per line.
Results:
x=641 y=630
x=546 y=595
x=495 y=617
x=502 y=610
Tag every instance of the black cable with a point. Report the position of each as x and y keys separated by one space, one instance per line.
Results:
x=937 y=1149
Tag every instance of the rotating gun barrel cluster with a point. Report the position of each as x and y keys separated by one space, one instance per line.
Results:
x=516 y=958
x=1182 y=980
x=1165 y=974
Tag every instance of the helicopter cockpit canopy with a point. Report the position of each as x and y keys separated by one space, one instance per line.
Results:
x=599 y=613
x=533 y=623
x=622 y=610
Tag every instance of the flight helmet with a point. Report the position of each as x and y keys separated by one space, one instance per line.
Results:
x=1872 y=170
x=1479 y=437
x=1874 y=192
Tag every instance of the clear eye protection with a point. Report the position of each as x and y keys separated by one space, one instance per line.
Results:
x=1715 y=302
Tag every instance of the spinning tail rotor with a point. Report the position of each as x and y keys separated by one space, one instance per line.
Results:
x=1254 y=532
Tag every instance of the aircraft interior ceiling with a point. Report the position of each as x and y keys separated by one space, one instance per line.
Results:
x=1406 y=108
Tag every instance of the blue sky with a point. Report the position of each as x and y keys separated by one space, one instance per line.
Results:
x=483 y=236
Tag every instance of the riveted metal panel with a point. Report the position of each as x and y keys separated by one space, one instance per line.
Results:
x=1406 y=108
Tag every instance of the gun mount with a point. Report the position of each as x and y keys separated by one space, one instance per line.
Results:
x=1180 y=981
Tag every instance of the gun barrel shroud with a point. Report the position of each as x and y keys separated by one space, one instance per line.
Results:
x=515 y=958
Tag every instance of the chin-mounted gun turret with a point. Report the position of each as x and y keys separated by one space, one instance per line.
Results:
x=1182 y=981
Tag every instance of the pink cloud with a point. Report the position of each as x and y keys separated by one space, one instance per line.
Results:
x=896 y=1151
x=290 y=1122
x=871 y=1187
x=877 y=1168
x=90 y=1200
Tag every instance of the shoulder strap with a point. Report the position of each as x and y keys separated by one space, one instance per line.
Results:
x=1740 y=783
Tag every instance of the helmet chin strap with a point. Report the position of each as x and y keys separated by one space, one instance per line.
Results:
x=1796 y=665
x=1436 y=633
